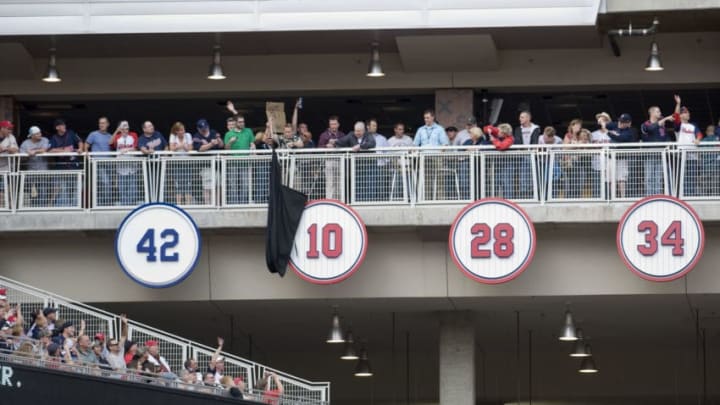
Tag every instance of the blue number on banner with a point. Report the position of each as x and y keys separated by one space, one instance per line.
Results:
x=147 y=245
x=169 y=245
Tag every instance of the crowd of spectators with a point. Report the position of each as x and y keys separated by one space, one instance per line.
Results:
x=65 y=345
x=575 y=175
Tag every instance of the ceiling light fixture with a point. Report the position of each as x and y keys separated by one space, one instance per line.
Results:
x=567 y=334
x=216 y=72
x=653 y=63
x=375 y=69
x=581 y=348
x=52 y=75
x=349 y=353
x=363 y=366
x=588 y=366
x=336 y=334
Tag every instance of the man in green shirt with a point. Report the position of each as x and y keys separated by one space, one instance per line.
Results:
x=240 y=138
x=239 y=171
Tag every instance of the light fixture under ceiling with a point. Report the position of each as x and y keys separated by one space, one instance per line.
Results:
x=653 y=63
x=374 y=68
x=581 y=349
x=567 y=334
x=588 y=366
x=349 y=353
x=216 y=72
x=336 y=334
x=363 y=366
x=52 y=75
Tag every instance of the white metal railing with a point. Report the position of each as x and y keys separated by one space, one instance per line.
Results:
x=174 y=348
x=385 y=176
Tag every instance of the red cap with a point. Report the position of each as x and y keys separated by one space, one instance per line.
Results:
x=3 y=294
x=151 y=343
x=489 y=129
x=100 y=336
x=6 y=124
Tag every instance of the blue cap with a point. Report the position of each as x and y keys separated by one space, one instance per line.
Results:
x=203 y=124
x=625 y=117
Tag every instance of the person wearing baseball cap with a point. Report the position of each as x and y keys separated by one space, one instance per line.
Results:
x=36 y=144
x=687 y=135
x=620 y=132
x=206 y=140
x=8 y=146
x=464 y=135
x=68 y=142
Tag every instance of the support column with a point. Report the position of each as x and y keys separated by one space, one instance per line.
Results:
x=7 y=108
x=453 y=107
x=457 y=358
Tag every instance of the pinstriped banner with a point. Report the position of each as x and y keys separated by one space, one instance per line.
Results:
x=660 y=238
x=330 y=243
x=492 y=241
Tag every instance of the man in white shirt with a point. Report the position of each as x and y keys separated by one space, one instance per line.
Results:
x=464 y=135
x=8 y=146
x=161 y=365
x=688 y=135
x=527 y=133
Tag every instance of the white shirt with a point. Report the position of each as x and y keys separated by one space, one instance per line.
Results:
x=686 y=136
x=186 y=140
x=599 y=137
x=556 y=140
x=159 y=362
x=402 y=141
x=461 y=137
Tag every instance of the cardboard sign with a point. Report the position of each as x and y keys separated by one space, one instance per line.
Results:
x=275 y=113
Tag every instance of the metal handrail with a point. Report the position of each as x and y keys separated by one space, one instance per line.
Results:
x=188 y=346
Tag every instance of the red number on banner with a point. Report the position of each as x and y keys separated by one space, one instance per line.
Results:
x=336 y=250
x=503 y=246
x=313 y=251
x=650 y=229
x=671 y=237
x=483 y=232
x=330 y=252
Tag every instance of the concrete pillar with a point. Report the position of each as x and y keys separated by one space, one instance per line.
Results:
x=7 y=108
x=457 y=358
x=453 y=107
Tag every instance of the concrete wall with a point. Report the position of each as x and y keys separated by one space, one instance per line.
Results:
x=570 y=260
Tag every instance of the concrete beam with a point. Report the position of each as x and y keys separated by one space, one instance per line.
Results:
x=374 y=217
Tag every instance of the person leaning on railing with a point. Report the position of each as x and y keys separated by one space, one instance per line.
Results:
x=64 y=192
x=620 y=132
x=8 y=146
x=710 y=181
x=501 y=137
x=358 y=141
x=182 y=177
x=125 y=141
x=207 y=140
x=653 y=131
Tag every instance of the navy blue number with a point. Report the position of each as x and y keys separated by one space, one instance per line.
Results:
x=147 y=245
x=169 y=244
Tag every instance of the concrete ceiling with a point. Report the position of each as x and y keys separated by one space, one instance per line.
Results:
x=640 y=342
x=307 y=42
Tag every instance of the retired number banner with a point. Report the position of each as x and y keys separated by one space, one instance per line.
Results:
x=492 y=241
x=660 y=238
x=330 y=243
